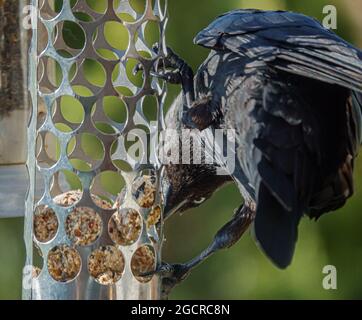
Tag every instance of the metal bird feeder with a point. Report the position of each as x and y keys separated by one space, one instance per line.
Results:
x=86 y=103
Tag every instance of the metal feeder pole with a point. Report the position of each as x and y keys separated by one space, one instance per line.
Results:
x=93 y=244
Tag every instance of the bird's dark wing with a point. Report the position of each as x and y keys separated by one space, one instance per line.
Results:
x=296 y=141
x=297 y=113
x=271 y=150
x=289 y=41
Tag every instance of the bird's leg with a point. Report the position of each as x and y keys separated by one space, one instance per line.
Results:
x=176 y=71
x=202 y=114
x=226 y=237
x=197 y=113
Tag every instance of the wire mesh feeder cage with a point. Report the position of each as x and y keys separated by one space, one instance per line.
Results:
x=96 y=230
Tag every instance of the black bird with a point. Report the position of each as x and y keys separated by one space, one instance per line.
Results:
x=292 y=91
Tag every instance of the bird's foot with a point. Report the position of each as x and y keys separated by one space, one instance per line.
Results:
x=171 y=275
x=171 y=68
x=228 y=235
x=173 y=77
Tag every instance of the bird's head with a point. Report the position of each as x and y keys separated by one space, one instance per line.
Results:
x=185 y=184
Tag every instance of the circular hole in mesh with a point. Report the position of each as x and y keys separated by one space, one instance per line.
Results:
x=109 y=115
x=137 y=145
x=72 y=141
x=47 y=149
x=143 y=261
x=128 y=151
x=68 y=111
x=107 y=54
x=150 y=107
x=125 y=227
x=116 y=35
x=64 y=128
x=83 y=226
x=115 y=109
x=101 y=122
x=138 y=5
x=67 y=54
x=94 y=72
x=147 y=54
x=38 y=261
x=125 y=80
x=144 y=189
x=107 y=185
x=50 y=8
x=82 y=16
x=106 y=265
x=154 y=216
x=124 y=11
x=99 y=6
x=127 y=91
x=105 y=128
x=50 y=75
x=45 y=224
x=64 y=263
x=149 y=34
x=82 y=91
x=88 y=152
x=102 y=202
x=66 y=188
x=73 y=69
x=72 y=36
x=103 y=49
x=122 y=165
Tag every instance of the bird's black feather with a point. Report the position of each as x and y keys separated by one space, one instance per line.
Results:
x=292 y=92
x=290 y=41
x=293 y=139
x=275 y=229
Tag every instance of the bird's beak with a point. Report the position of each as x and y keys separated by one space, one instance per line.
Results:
x=170 y=207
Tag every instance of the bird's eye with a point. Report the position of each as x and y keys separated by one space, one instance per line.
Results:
x=199 y=201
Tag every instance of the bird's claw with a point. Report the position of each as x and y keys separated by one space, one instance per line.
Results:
x=171 y=275
x=138 y=67
x=161 y=270
x=155 y=47
x=173 y=77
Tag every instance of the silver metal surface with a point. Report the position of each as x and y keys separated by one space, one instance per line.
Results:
x=52 y=156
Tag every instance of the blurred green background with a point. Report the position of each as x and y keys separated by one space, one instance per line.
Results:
x=241 y=272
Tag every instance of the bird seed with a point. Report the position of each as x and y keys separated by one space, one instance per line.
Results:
x=64 y=263
x=143 y=262
x=125 y=227
x=106 y=265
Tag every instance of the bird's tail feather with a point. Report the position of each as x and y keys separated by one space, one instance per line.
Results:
x=275 y=228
